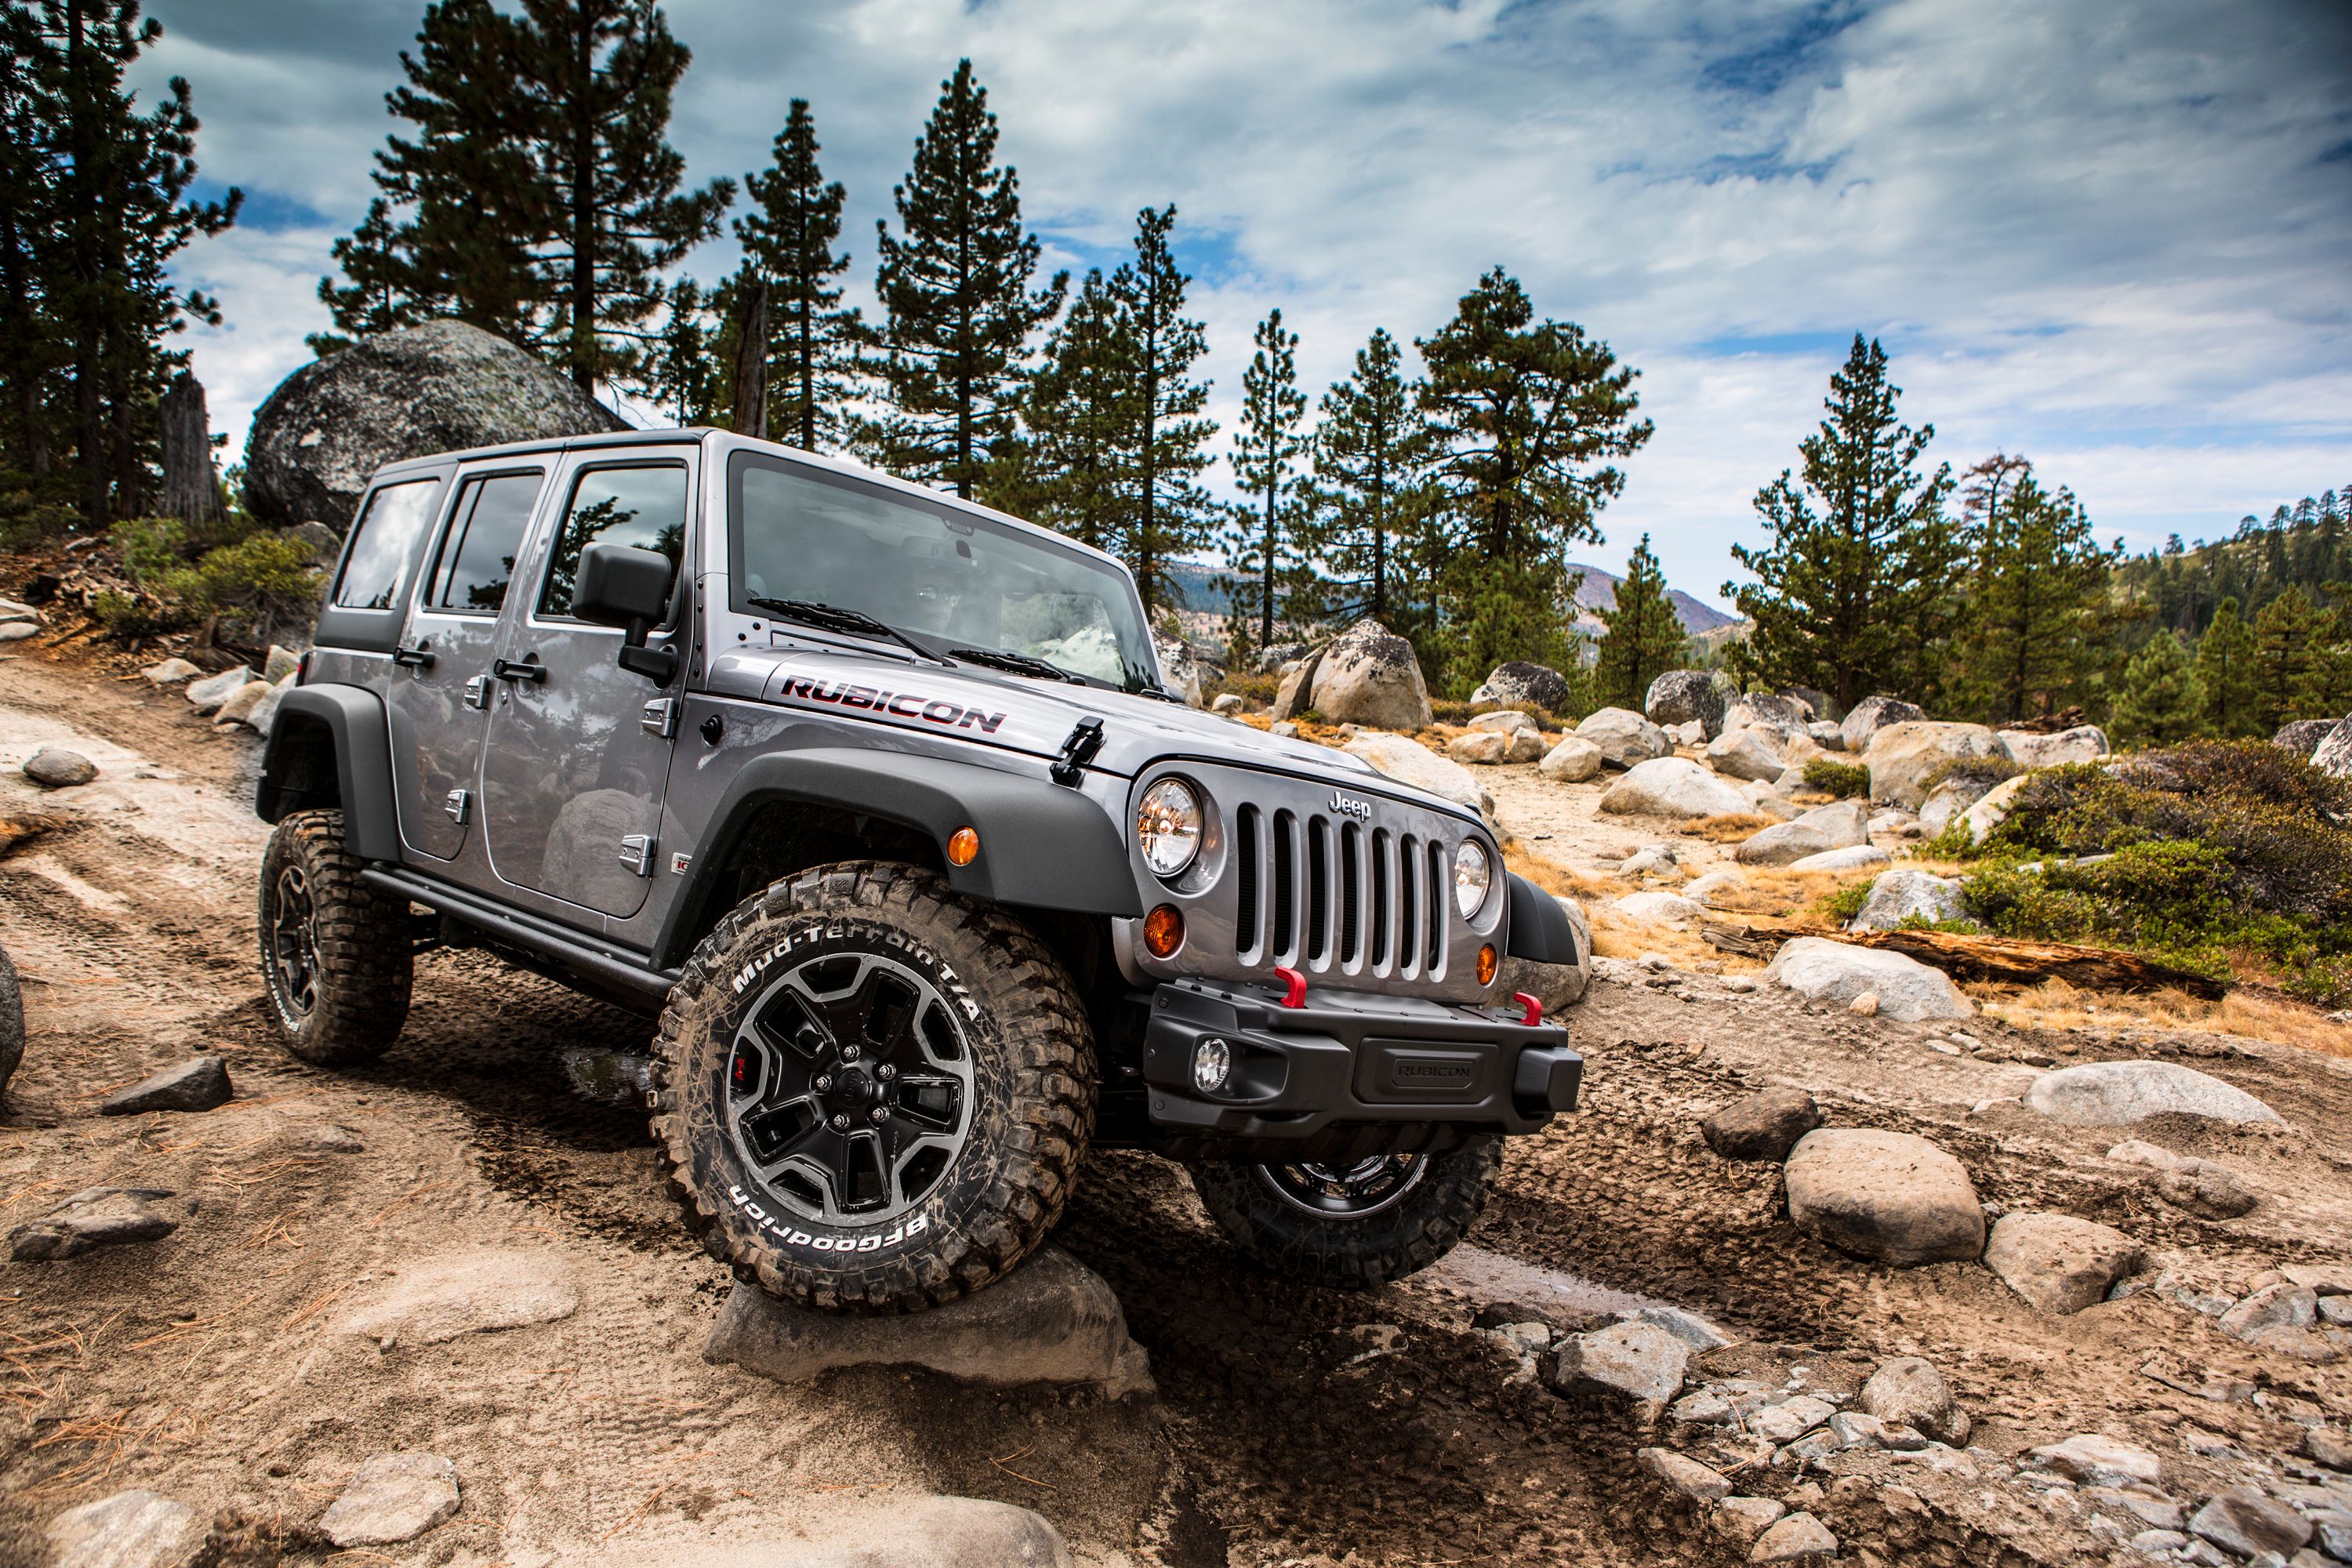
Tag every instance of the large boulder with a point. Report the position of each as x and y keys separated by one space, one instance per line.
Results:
x=1690 y=695
x=1845 y=823
x=1890 y=1197
x=1409 y=762
x=1899 y=896
x=1624 y=737
x=1746 y=753
x=1902 y=757
x=2302 y=736
x=1872 y=714
x=1767 y=707
x=1486 y=747
x=1573 y=761
x=2114 y=1094
x=1519 y=684
x=1983 y=818
x=1369 y=676
x=2031 y=749
x=1294 y=691
x=1672 y=786
x=1555 y=985
x=1179 y=670
x=1823 y=970
x=2059 y=1263
x=1948 y=800
x=436 y=388
x=1846 y=857
x=2334 y=753
x=1782 y=844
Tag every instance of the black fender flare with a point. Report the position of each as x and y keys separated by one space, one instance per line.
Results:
x=1040 y=844
x=357 y=740
x=1539 y=927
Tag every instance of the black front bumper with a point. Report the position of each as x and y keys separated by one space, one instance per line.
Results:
x=1349 y=1058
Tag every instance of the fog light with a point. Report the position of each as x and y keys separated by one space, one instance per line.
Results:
x=1163 y=931
x=964 y=846
x=1486 y=964
x=1213 y=1063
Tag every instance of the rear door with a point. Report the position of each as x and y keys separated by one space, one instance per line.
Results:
x=577 y=757
x=438 y=700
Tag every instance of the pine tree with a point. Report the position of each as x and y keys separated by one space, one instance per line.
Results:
x=1863 y=563
x=1164 y=443
x=29 y=348
x=684 y=375
x=788 y=238
x=2038 y=580
x=1070 y=472
x=1267 y=447
x=1525 y=419
x=1645 y=638
x=1367 y=499
x=2282 y=640
x=2162 y=703
x=2327 y=685
x=2225 y=671
x=958 y=310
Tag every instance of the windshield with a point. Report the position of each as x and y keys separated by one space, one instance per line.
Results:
x=945 y=578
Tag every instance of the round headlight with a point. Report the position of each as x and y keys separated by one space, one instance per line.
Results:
x=1473 y=875
x=1168 y=827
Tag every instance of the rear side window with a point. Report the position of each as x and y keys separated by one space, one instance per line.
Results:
x=484 y=536
x=644 y=507
x=383 y=543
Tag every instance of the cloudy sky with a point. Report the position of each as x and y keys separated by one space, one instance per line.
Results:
x=2113 y=235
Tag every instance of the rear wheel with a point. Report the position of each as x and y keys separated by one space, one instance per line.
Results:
x=1352 y=1225
x=334 y=951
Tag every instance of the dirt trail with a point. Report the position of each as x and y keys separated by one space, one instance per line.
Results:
x=223 y=1366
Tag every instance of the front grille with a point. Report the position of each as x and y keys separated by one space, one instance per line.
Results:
x=1301 y=900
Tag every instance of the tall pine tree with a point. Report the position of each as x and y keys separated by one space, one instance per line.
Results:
x=1071 y=471
x=788 y=238
x=957 y=310
x=2225 y=672
x=1164 y=440
x=1645 y=638
x=2162 y=703
x=1267 y=447
x=2283 y=646
x=1861 y=557
x=2038 y=582
x=1367 y=501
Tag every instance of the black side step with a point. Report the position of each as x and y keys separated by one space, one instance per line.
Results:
x=603 y=966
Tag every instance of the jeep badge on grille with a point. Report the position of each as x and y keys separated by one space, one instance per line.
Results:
x=1348 y=805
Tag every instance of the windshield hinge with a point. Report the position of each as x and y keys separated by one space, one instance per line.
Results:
x=1085 y=740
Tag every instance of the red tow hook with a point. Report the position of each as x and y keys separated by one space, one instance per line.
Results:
x=1294 y=993
x=1534 y=1008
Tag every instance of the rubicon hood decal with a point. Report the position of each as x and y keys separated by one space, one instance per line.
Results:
x=899 y=704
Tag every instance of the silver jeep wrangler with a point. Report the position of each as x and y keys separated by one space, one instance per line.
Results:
x=877 y=800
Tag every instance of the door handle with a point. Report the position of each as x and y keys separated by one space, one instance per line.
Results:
x=518 y=669
x=419 y=658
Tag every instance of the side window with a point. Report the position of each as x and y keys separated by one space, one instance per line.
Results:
x=477 y=559
x=644 y=507
x=375 y=570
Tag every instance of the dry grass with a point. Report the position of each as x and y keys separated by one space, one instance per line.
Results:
x=1729 y=827
x=2248 y=1014
x=1560 y=880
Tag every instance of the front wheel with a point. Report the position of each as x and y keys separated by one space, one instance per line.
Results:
x=1353 y=1227
x=334 y=951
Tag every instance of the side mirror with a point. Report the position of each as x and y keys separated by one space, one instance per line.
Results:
x=621 y=585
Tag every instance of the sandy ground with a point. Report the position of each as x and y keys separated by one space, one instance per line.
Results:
x=240 y=1365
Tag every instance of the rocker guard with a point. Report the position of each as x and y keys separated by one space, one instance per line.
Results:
x=1349 y=1058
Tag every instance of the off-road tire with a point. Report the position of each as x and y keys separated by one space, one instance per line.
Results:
x=1029 y=1093
x=1418 y=1229
x=360 y=966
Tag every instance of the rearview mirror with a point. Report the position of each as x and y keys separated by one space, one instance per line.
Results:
x=621 y=585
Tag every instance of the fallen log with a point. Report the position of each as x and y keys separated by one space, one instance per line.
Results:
x=2004 y=959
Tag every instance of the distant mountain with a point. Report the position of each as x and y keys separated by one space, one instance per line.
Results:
x=1194 y=586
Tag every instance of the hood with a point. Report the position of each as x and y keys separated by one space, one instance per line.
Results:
x=1020 y=713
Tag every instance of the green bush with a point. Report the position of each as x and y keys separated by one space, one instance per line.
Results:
x=261 y=583
x=1845 y=903
x=1840 y=779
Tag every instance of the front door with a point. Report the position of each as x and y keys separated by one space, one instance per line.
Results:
x=438 y=700
x=578 y=752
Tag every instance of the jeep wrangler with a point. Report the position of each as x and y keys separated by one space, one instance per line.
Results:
x=877 y=799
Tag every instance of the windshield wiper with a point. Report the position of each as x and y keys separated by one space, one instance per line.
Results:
x=1018 y=663
x=835 y=618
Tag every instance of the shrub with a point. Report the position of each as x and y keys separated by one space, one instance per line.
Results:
x=1839 y=779
x=261 y=583
x=1845 y=903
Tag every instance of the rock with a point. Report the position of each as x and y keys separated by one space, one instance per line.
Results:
x=1852 y=858
x=1835 y=972
x=1901 y=757
x=2057 y=1262
x=54 y=767
x=1745 y=754
x=1660 y=909
x=208 y=694
x=1791 y=1418
x=2096 y=1460
x=1051 y=1321
x=439 y=387
x=1873 y=713
x=1686 y=1476
x=435 y=1300
x=1857 y=1429
x=1740 y=1519
x=264 y=712
x=12 y=610
x=1180 y=673
x=2285 y=1305
x=1519 y=684
x=1705 y=1409
x=1865 y=1005
x=1710 y=889
x=1489 y=746
x=1892 y=822
x=391 y=1498
x=18 y=631
x=1572 y=761
x=2326 y=1279
x=1227 y=702
x=1369 y=676
x=2333 y=755
x=1672 y=786
x=200 y=1083
x=921 y=1532
x=280 y=663
x=1275 y=655
x=1767 y=707
x=1556 y=986
x=1763 y=1126
x=1409 y=762
x=1909 y=1391
x=1690 y=695
x=1890 y=1197
x=1990 y=809
x=2242 y=1520
x=2029 y=749
x=241 y=704
x=1657 y=860
x=2205 y=1189
x=1505 y=720
x=1945 y=803
x=12 y=1021
x=2116 y=1094
x=2329 y=1446
x=1624 y=737
x=1793 y=1539
x=1282 y=731
x=98 y=1217
x=128 y=1529
x=1692 y=734
x=1844 y=823
x=1639 y=1360
x=1898 y=895
x=171 y=671
x=1295 y=693
x=1782 y=844
x=2302 y=736
x=1688 y=1327
x=1828 y=737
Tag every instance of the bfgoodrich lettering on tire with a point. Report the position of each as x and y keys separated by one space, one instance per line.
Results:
x=1357 y=1225
x=872 y=1094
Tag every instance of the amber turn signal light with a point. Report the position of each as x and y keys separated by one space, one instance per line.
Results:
x=1163 y=931
x=964 y=846
x=1486 y=964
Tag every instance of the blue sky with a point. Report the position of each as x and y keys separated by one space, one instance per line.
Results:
x=2113 y=235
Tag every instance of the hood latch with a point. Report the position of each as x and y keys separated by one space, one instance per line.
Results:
x=1086 y=738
